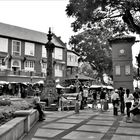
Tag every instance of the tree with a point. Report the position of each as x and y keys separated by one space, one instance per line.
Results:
x=94 y=49
x=87 y=70
x=100 y=20
x=119 y=14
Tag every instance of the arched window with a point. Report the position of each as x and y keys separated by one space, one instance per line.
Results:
x=15 y=64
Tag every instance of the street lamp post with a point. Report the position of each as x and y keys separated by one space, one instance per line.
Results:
x=49 y=92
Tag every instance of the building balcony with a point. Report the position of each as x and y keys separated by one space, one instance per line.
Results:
x=21 y=73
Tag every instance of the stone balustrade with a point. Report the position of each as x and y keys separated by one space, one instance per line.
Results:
x=18 y=127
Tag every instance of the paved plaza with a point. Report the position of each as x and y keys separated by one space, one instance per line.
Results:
x=87 y=125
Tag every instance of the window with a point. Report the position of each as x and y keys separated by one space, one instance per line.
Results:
x=29 y=64
x=44 y=65
x=57 y=67
x=44 y=52
x=1 y=61
x=75 y=58
x=58 y=70
x=16 y=48
x=58 y=53
x=117 y=70
x=29 y=48
x=3 y=45
x=16 y=64
x=70 y=58
x=127 y=69
x=60 y=67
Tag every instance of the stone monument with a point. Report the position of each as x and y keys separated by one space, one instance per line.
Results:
x=49 y=92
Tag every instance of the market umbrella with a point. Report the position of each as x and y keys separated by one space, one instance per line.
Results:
x=95 y=86
x=59 y=86
x=109 y=87
x=40 y=82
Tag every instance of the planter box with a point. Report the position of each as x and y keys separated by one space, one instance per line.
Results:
x=19 y=126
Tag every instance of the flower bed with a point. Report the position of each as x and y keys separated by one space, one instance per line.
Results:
x=9 y=105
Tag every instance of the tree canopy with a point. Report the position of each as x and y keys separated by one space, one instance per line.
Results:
x=97 y=54
x=119 y=14
x=99 y=20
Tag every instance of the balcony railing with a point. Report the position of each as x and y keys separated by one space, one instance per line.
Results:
x=8 y=72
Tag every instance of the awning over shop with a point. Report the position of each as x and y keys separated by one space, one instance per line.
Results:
x=95 y=86
x=40 y=82
x=59 y=86
x=3 y=82
x=102 y=86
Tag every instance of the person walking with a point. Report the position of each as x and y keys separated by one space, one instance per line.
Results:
x=102 y=98
x=136 y=95
x=94 y=99
x=128 y=98
x=85 y=95
x=106 y=106
x=78 y=102
x=121 y=96
x=115 y=102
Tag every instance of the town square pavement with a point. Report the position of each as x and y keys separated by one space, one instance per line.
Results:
x=87 y=125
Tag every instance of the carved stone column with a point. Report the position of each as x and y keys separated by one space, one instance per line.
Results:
x=49 y=83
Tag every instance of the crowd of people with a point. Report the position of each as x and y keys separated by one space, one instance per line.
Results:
x=22 y=90
x=88 y=96
x=125 y=102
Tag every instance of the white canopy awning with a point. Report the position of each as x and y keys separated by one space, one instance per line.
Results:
x=95 y=86
x=59 y=86
x=109 y=87
x=3 y=82
x=40 y=82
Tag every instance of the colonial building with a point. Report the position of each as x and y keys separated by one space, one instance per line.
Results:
x=23 y=55
x=122 y=61
x=72 y=62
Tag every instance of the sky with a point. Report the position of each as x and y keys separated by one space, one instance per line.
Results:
x=39 y=15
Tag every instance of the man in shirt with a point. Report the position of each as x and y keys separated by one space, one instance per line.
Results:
x=115 y=102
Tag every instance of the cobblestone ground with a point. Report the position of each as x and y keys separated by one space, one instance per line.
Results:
x=87 y=125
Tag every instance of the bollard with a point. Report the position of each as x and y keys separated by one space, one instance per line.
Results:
x=76 y=107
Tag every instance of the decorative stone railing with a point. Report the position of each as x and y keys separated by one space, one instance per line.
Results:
x=18 y=127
